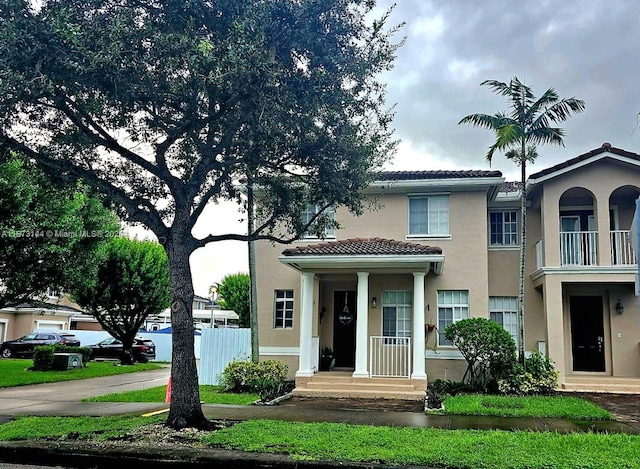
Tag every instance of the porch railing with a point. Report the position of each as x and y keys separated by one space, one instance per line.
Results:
x=621 y=251
x=390 y=357
x=578 y=247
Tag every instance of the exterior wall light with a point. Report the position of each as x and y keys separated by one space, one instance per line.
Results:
x=374 y=302
x=619 y=307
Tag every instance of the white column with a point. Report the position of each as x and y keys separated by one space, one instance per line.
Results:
x=418 y=326
x=362 y=328
x=306 y=330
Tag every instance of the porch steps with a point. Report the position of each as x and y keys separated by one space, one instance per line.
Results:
x=342 y=384
x=618 y=385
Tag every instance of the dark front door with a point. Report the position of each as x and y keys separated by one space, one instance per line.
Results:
x=587 y=333
x=344 y=328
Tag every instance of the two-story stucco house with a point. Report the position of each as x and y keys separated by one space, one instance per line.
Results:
x=445 y=246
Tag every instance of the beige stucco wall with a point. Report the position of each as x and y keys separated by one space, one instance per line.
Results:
x=466 y=268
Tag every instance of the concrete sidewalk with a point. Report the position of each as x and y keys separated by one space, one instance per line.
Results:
x=64 y=399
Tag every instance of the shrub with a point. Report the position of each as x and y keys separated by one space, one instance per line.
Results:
x=43 y=355
x=540 y=376
x=488 y=348
x=450 y=387
x=267 y=378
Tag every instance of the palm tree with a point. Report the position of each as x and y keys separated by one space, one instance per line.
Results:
x=518 y=132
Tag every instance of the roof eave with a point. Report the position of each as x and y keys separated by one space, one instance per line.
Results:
x=417 y=262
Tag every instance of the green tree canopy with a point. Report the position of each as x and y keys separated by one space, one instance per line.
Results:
x=50 y=235
x=131 y=283
x=165 y=106
x=233 y=293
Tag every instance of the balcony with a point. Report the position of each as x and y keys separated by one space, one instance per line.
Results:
x=580 y=248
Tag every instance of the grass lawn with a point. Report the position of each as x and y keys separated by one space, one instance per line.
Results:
x=471 y=449
x=208 y=395
x=14 y=372
x=525 y=406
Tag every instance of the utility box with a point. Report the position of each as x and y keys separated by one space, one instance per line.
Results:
x=67 y=361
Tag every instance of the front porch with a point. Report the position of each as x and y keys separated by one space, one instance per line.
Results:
x=342 y=384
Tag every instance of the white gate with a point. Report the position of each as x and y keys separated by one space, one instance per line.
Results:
x=390 y=357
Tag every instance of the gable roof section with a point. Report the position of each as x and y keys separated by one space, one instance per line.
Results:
x=605 y=151
x=362 y=247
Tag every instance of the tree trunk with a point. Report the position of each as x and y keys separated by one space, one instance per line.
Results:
x=185 y=408
x=253 y=293
x=523 y=251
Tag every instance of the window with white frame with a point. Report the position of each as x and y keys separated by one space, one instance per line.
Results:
x=396 y=313
x=453 y=305
x=310 y=212
x=429 y=215
x=283 y=309
x=504 y=311
x=503 y=228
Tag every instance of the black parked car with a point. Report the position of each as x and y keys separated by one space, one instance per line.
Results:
x=23 y=347
x=142 y=351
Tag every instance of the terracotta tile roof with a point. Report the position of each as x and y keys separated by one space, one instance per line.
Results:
x=418 y=175
x=362 y=247
x=606 y=147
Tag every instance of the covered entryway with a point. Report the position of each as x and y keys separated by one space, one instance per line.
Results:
x=587 y=333
x=370 y=351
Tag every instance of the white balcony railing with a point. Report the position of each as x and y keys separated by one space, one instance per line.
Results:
x=621 y=251
x=578 y=247
x=390 y=356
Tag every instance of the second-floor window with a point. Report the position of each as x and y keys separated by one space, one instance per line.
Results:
x=311 y=212
x=503 y=227
x=429 y=215
x=283 y=309
x=396 y=313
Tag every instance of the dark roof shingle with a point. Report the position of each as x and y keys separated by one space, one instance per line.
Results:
x=606 y=147
x=443 y=174
x=362 y=247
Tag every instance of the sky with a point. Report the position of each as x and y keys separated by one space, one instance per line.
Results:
x=587 y=49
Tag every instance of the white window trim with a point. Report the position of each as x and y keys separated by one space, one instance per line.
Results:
x=428 y=235
x=277 y=300
x=450 y=346
x=332 y=236
x=518 y=221
x=383 y=304
x=503 y=310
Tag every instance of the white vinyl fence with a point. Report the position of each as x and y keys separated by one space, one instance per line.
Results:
x=219 y=347
x=215 y=348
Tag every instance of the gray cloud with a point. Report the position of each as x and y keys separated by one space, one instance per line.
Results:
x=586 y=50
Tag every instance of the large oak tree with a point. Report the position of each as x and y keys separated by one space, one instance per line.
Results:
x=165 y=106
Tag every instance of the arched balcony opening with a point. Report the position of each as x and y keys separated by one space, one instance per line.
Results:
x=622 y=203
x=578 y=230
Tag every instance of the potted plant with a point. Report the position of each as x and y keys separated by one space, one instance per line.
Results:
x=327 y=359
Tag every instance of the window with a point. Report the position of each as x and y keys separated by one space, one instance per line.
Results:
x=396 y=313
x=453 y=305
x=504 y=311
x=429 y=215
x=504 y=228
x=310 y=212
x=283 y=309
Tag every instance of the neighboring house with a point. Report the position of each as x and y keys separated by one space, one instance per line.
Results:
x=204 y=314
x=445 y=246
x=56 y=312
